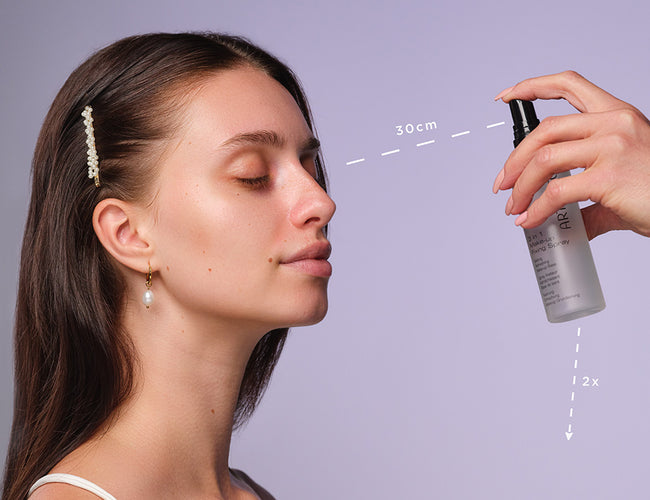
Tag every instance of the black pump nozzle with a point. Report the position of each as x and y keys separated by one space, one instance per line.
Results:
x=524 y=118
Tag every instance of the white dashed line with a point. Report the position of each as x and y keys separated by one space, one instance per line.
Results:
x=425 y=143
x=569 y=434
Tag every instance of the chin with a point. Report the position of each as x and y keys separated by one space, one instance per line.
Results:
x=308 y=315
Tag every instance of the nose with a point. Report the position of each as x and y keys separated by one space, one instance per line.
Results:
x=312 y=205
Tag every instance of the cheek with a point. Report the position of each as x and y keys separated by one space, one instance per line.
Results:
x=215 y=247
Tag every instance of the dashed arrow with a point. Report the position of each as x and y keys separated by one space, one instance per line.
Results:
x=569 y=434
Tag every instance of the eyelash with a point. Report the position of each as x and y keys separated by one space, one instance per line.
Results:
x=256 y=182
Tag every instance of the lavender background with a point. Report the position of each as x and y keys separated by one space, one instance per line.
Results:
x=435 y=374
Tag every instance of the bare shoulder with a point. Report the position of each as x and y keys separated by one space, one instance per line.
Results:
x=61 y=491
x=245 y=478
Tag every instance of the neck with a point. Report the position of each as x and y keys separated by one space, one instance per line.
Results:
x=179 y=420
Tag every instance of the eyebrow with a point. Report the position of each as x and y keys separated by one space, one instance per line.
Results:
x=267 y=138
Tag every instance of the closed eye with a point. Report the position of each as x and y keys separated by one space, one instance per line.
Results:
x=256 y=182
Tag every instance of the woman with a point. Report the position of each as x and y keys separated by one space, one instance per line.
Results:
x=157 y=285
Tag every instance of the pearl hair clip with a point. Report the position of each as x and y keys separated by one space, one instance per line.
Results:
x=93 y=159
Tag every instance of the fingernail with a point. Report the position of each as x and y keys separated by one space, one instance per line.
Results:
x=509 y=206
x=522 y=218
x=503 y=92
x=498 y=181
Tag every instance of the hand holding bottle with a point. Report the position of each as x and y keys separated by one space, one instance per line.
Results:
x=610 y=139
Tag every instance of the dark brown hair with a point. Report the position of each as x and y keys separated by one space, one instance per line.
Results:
x=73 y=363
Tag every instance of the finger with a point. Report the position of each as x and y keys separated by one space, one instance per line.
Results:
x=599 y=220
x=554 y=129
x=549 y=160
x=559 y=193
x=580 y=92
x=503 y=92
x=498 y=181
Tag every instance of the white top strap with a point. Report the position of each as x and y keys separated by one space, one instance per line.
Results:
x=77 y=481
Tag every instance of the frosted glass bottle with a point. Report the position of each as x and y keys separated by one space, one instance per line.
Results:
x=559 y=248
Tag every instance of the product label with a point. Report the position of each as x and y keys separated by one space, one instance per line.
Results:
x=548 y=279
x=540 y=242
x=553 y=235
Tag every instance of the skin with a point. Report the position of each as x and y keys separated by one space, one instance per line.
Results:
x=229 y=214
x=610 y=139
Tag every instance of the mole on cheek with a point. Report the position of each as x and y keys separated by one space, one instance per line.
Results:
x=209 y=269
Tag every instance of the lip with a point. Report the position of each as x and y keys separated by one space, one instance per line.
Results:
x=311 y=260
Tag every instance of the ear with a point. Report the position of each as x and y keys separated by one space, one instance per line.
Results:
x=120 y=227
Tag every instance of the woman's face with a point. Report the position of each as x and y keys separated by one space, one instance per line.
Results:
x=239 y=216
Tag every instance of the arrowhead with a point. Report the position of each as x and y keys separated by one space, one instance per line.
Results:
x=568 y=435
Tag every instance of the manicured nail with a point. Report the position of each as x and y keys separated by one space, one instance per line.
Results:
x=522 y=218
x=503 y=92
x=509 y=206
x=498 y=181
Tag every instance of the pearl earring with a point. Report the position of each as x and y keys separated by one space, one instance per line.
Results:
x=147 y=297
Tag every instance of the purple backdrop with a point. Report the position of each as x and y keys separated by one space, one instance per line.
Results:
x=435 y=374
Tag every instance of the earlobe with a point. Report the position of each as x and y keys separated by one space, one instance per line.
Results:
x=117 y=226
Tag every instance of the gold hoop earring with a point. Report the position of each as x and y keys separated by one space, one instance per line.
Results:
x=147 y=297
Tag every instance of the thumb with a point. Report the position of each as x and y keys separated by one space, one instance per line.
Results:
x=599 y=220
